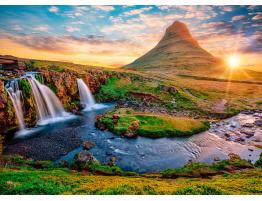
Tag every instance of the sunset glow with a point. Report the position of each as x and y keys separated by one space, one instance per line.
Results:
x=113 y=36
x=233 y=61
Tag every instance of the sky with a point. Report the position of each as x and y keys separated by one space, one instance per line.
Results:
x=113 y=36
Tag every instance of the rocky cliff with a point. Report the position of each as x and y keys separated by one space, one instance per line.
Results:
x=62 y=83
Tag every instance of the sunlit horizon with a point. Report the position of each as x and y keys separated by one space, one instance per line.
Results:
x=114 y=36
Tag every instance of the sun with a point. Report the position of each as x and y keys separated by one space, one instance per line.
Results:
x=233 y=61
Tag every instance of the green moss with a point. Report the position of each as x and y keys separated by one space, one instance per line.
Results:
x=39 y=78
x=25 y=87
x=52 y=87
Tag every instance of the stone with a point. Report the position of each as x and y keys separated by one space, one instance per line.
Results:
x=84 y=156
x=216 y=158
x=113 y=160
x=248 y=125
x=258 y=123
x=240 y=139
x=227 y=135
x=116 y=116
x=88 y=145
x=131 y=131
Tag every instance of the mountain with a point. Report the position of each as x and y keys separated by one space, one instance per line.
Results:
x=176 y=52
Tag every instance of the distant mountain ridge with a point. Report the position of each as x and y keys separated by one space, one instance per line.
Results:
x=176 y=51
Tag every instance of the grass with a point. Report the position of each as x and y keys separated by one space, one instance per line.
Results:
x=126 y=87
x=61 y=181
x=20 y=176
x=198 y=169
x=199 y=190
x=152 y=125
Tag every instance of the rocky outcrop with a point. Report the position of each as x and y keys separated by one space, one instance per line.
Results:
x=62 y=83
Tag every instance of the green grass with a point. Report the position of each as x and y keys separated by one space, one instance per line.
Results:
x=199 y=190
x=20 y=176
x=198 y=169
x=152 y=125
x=124 y=88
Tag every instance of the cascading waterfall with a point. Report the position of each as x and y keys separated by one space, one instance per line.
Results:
x=15 y=95
x=87 y=100
x=48 y=105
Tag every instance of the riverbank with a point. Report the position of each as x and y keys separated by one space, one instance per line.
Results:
x=21 y=177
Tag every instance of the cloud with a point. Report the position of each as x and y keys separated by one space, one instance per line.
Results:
x=53 y=9
x=227 y=8
x=137 y=11
x=41 y=28
x=17 y=28
x=104 y=8
x=238 y=17
x=257 y=17
x=71 y=29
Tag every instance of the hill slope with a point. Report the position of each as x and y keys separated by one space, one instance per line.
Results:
x=177 y=51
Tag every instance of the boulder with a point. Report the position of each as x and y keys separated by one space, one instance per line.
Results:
x=258 y=123
x=132 y=129
x=84 y=156
x=113 y=160
x=88 y=145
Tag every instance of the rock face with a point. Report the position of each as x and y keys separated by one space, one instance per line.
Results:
x=176 y=51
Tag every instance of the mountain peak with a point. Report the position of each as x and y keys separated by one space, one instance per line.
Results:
x=179 y=30
x=176 y=52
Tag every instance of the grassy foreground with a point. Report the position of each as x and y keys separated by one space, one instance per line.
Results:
x=128 y=122
x=232 y=176
x=62 y=181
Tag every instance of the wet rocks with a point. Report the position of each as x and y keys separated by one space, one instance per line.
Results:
x=258 y=122
x=112 y=161
x=84 y=156
x=131 y=131
x=244 y=128
x=87 y=145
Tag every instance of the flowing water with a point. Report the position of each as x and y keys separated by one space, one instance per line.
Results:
x=139 y=154
x=15 y=95
x=87 y=100
x=48 y=106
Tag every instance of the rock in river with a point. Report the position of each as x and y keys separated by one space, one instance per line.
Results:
x=88 y=145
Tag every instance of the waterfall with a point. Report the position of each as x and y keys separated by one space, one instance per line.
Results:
x=15 y=95
x=48 y=105
x=87 y=100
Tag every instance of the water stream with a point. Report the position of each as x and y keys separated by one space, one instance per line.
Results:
x=139 y=154
x=15 y=95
